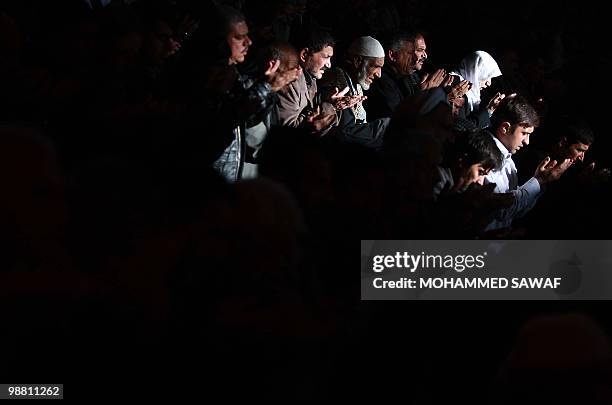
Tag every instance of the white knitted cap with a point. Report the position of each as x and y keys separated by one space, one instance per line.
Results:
x=368 y=47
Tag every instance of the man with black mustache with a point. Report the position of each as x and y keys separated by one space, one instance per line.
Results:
x=405 y=53
x=300 y=105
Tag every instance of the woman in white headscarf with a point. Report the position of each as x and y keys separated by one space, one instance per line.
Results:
x=478 y=68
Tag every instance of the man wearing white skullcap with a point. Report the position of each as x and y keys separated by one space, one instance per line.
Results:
x=368 y=57
x=367 y=46
x=364 y=60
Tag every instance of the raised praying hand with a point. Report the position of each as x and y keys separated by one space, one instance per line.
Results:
x=341 y=101
x=458 y=90
x=495 y=101
x=435 y=80
x=548 y=170
x=320 y=121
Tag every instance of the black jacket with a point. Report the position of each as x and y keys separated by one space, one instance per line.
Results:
x=388 y=92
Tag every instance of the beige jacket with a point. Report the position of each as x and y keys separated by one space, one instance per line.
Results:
x=298 y=99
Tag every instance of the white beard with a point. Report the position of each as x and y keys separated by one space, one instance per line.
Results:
x=363 y=76
x=365 y=86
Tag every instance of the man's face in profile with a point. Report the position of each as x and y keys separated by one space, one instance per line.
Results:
x=576 y=151
x=317 y=62
x=474 y=174
x=516 y=137
x=239 y=42
x=420 y=53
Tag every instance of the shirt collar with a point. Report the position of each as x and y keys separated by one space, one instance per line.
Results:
x=309 y=78
x=505 y=152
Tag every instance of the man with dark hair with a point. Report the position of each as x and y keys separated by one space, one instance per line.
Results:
x=463 y=206
x=220 y=100
x=563 y=140
x=473 y=155
x=512 y=124
x=582 y=184
x=574 y=142
x=406 y=54
x=158 y=43
x=300 y=105
x=278 y=67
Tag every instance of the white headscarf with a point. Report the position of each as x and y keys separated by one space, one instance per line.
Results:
x=475 y=68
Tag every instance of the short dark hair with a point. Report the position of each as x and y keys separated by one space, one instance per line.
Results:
x=313 y=38
x=210 y=39
x=578 y=132
x=226 y=16
x=475 y=147
x=517 y=111
x=395 y=41
x=281 y=51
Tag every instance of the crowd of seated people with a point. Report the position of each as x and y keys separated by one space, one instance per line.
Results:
x=196 y=173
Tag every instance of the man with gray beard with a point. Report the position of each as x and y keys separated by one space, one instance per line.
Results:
x=365 y=58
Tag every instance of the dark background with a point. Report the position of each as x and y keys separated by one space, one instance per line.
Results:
x=406 y=352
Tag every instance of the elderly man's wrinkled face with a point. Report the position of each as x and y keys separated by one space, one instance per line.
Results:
x=410 y=57
x=316 y=63
x=371 y=69
x=403 y=59
x=239 y=42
